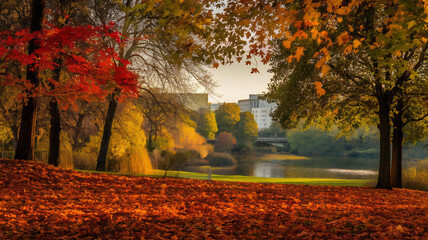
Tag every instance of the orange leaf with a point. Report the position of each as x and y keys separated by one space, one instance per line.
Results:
x=286 y=44
x=299 y=53
x=254 y=70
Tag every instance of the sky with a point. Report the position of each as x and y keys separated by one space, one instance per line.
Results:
x=236 y=82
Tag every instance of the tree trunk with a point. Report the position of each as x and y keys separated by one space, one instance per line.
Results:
x=384 y=180
x=25 y=145
x=102 y=155
x=150 y=141
x=77 y=130
x=55 y=130
x=54 y=133
x=397 y=146
x=15 y=132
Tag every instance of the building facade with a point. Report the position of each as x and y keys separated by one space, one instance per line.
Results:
x=261 y=110
x=196 y=101
x=214 y=106
x=262 y=117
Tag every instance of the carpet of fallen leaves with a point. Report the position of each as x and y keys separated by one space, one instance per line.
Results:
x=38 y=201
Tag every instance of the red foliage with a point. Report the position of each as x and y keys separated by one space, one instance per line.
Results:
x=92 y=68
x=38 y=201
x=225 y=142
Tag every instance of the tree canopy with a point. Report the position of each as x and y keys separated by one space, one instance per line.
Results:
x=351 y=56
x=207 y=124
x=227 y=116
x=246 y=128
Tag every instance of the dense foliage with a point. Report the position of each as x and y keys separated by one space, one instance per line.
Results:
x=354 y=61
x=207 y=124
x=246 y=128
x=227 y=116
x=40 y=201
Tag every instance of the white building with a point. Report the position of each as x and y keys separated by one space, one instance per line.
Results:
x=262 y=117
x=244 y=105
x=214 y=106
x=261 y=110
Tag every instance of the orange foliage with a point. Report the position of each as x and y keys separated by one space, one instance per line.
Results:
x=318 y=87
x=38 y=201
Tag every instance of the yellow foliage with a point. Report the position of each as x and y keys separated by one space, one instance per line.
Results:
x=127 y=148
x=187 y=138
x=5 y=132
x=65 y=152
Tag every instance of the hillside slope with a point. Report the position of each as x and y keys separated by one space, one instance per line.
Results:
x=38 y=201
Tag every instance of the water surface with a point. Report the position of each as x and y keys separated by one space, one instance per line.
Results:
x=314 y=167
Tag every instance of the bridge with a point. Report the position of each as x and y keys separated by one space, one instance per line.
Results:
x=271 y=140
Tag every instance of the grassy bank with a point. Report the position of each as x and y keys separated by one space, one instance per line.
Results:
x=239 y=178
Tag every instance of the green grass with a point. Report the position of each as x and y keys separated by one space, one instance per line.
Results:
x=282 y=157
x=240 y=178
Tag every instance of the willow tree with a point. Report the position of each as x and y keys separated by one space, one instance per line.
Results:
x=378 y=47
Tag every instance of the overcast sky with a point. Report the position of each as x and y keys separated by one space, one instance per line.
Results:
x=236 y=82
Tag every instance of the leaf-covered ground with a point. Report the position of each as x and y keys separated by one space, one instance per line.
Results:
x=42 y=202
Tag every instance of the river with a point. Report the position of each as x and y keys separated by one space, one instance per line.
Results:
x=291 y=166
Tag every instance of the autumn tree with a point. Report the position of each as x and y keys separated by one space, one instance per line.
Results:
x=165 y=45
x=82 y=121
x=128 y=152
x=227 y=116
x=84 y=71
x=25 y=146
x=372 y=46
x=409 y=120
x=14 y=16
x=225 y=142
x=207 y=124
x=161 y=111
x=246 y=129
x=9 y=111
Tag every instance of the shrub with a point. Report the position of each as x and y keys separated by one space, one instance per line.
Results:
x=416 y=176
x=197 y=162
x=225 y=142
x=266 y=149
x=243 y=148
x=217 y=159
x=177 y=160
x=85 y=160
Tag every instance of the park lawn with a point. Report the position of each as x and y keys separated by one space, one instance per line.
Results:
x=251 y=179
x=38 y=201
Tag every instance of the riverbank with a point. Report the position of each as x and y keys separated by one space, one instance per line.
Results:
x=252 y=179
x=247 y=179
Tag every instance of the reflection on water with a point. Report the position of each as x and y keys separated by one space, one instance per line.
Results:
x=274 y=170
x=315 y=167
x=267 y=169
x=351 y=171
